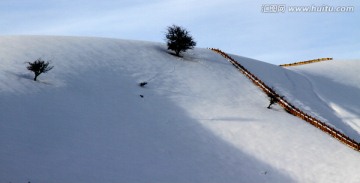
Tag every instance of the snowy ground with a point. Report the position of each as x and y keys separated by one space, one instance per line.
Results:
x=336 y=84
x=327 y=90
x=200 y=120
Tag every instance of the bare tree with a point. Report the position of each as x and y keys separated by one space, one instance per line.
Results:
x=273 y=99
x=179 y=40
x=39 y=66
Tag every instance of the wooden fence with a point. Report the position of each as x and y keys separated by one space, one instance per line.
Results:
x=289 y=107
x=306 y=62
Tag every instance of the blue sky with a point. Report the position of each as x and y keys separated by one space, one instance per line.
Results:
x=235 y=26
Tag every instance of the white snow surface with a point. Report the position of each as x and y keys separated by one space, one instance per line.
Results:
x=199 y=120
x=336 y=85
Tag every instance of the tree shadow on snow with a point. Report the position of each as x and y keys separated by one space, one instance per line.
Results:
x=28 y=76
x=23 y=75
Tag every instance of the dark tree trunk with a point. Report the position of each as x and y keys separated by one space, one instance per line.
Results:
x=177 y=53
x=36 y=75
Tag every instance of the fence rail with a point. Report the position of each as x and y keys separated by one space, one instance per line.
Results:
x=289 y=107
x=306 y=62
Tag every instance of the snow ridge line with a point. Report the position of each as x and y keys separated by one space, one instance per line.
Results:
x=288 y=107
x=306 y=62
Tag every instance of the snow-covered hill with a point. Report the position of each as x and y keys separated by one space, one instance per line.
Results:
x=337 y=90
x=327 y=90
x=199 y=119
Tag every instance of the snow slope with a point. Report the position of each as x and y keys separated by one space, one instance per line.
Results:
x=200 y=120
x=327 y=90
x=337 y=86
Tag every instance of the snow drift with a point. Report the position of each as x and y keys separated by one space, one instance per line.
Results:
x=199 y=120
